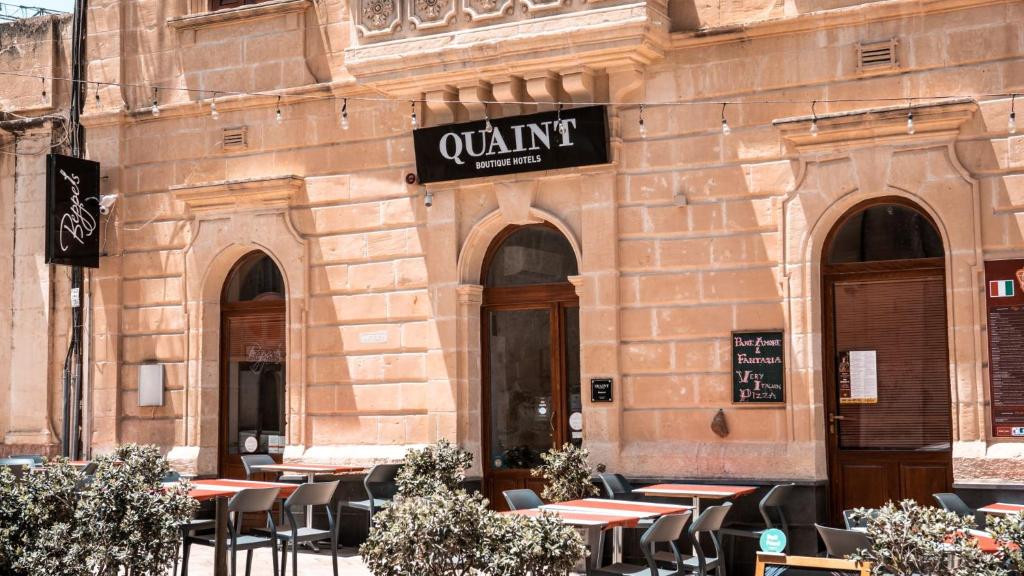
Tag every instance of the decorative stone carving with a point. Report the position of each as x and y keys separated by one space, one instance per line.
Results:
x=378 y=17
x=486 y=9
x=532 y=6
x=431 y=13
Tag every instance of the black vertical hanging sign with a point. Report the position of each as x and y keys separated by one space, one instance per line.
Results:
x=72 y=211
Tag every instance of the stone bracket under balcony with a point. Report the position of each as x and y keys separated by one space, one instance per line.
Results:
x=405 y=48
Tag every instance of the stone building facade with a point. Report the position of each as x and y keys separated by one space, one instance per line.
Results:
x=688 y=235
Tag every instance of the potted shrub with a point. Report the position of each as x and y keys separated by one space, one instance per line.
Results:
x=908 y=539
x=1008 y=532
x=433 y=469
x=567 y=473
x=123 y=521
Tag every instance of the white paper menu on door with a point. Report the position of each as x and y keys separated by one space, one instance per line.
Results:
x=863 y=378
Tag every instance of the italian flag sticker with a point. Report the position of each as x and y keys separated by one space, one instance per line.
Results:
x=1000 y=288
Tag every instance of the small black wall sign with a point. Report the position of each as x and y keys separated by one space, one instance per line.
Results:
x=757 y=368
x=515 y=144
x=72 y=211
x=600 y=389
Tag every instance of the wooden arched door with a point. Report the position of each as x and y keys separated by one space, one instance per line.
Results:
x=531 y=355
x=887 y=381
x=253 y=363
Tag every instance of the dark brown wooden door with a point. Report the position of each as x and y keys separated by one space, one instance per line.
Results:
x=530 y=361
x=889 y=436
x=253 y=367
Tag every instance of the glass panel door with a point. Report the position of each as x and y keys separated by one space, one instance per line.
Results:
x=573 y=393
x=256 y=384
x=522 y=414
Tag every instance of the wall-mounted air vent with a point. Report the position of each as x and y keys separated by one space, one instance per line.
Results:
x=877 y=56
x=235 y=138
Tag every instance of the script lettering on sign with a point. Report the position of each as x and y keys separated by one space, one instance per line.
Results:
x=72 y=211
x=545 y=141
x=757 y=368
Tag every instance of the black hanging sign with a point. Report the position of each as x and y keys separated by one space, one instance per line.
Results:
x=544 y=141
x=72 y=211
x=757 y=368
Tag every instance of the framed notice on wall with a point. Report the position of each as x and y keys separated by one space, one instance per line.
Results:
x=858 y=377
x=757 y=368
x=782 y=565
x=1004 y=282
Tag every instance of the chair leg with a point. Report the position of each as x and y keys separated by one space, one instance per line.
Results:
x=273 y=556
x=295 y=559
x=184 y=557
x=334 y=553
x=177 y=550
x=248 y=562
x=234 y=561
x=284 y=557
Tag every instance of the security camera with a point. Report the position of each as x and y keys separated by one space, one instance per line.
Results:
x=107 y=203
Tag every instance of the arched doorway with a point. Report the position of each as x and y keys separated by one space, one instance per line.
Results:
x=886 y=364
x=529 y=323
x=253 y=353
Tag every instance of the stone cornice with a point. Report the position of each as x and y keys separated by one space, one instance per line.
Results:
x=233 y=15
x=599 y=38
x=932 y=120
x=817 y=21
x=230 y=195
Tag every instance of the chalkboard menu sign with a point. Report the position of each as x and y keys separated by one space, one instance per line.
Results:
x=757 y=368
x=781 y=565
x=1005 y=303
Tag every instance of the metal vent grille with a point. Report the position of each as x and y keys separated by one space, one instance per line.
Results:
x=235 y=138
x=877 y=56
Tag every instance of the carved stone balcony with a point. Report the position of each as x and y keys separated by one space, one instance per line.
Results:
x=417 y=46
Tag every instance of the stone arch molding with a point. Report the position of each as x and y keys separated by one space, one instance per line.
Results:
x=480 y=237
x=832 y=182
x=218 y=243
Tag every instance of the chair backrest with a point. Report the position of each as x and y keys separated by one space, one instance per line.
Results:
x=35 y=458
x=313 y=494
x=617 y=487
x=250 y=460
x=172 y=476
x=841 y=543
x=90 y=468
x=380 y=481
x=522 y=499
x=253 y=500
x=953 y=503
x=709 y=521
x=665 y=529
x=773 y=507
x=860 y=521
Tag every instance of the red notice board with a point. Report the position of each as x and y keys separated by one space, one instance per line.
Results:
x=1004 y=288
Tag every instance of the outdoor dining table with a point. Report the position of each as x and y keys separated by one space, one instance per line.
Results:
x=614 y=515
x=220 y=490
x=310 y=470
x=1002 y=509
x=696 y=492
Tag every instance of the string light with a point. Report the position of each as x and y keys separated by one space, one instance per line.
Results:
x=213 y=108
x=559 y=125
x=277 y=115
x=344 y=114
x=643 y=128
x=96 y=93
x=1011 y=124
x=487 y=123
x=155 y=109
x=43 y=82
x=814 y=120
x=725 y=123
x=910 y=119
x=412 y=115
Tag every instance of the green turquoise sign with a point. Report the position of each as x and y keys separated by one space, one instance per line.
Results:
x=773 y=540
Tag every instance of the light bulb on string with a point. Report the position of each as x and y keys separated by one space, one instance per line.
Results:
x=814 y=119
x=277 y=115
x=155 y=109
x=344 y=114
x=910 y=123
x=213 y=108
x=642 y=126
x=1011 y=124
x=43 y=82
x=96 y=94
x=412 y=115
x=726 y=130
x=561 y=127
x=488 y=127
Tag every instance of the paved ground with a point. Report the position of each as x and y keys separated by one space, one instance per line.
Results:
x=201 y=563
